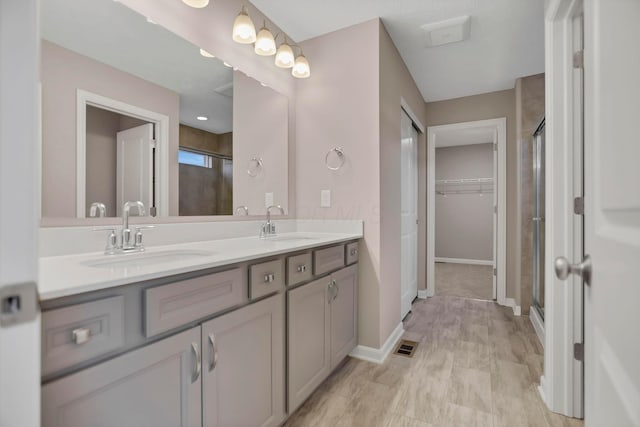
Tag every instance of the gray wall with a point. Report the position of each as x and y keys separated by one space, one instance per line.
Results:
x=464 y=222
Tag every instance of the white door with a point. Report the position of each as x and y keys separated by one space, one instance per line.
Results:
x=409 y=214
x=135 y=166
x=612 y=212
x=494 y=292
x=19 y=214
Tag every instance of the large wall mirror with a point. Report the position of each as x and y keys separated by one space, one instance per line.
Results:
x=131 y=111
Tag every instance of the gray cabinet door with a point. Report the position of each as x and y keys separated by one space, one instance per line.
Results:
x=243 y=366
x=156 y=386
x=344 y=314
x=308 y=339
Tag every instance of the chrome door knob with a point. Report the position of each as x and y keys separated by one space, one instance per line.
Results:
x=564 y=268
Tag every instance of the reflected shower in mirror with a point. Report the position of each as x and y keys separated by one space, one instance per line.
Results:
x=134 y=112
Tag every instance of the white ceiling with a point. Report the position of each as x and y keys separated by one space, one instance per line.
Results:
x=111 y=33
x=507 y=38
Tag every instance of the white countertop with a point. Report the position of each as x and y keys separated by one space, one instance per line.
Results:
x=66 y=275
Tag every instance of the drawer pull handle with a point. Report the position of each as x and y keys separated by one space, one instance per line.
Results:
x=196 y=355
x=81 y=335
x=354 y=252
x=214 y=352
x=302 y=268
x=337 y=288
x=268 y=278
x=330 y=292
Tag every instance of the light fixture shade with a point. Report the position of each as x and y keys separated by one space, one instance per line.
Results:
x=206 y=54
x=198 y=4
x=301 y=68
x=244 y=31
x=284 y=56
x=265 y=44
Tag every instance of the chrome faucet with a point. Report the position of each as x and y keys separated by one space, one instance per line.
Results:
x=124 y=244
x=269 y=228
x=97 y=209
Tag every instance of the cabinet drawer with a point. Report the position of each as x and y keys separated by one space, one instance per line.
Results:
x=298 y=269
x=74 y=334
x=170 y=306
x=266 y=278
x=352 y=253
x=329 y=259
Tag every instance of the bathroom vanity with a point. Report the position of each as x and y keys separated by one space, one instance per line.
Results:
x=228 y=332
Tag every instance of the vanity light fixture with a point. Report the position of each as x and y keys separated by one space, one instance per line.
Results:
x=244 y=31
x=202 y=118
x=265 y=43
x=206 y=54
x=284 y=56
x=198 y=4
x=301 y=68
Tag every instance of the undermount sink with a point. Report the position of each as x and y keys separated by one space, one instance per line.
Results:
x=145 y=259
x=286 y=238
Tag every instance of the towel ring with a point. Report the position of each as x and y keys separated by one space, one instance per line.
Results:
x=340 y=153
x=255 y=166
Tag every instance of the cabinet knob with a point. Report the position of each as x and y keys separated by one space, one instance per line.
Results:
x=270 y=277
x=81 y=335
x=302 y=268
x=354 y=252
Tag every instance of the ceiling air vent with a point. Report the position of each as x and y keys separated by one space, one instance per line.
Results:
x=448 y=31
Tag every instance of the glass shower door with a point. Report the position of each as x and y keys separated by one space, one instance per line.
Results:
x=538 y=219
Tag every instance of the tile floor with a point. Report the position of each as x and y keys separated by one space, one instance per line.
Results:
x=464 y=280
x=476 y=365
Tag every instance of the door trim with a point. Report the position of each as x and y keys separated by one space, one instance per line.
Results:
x=500 y=126
x=557 y=382
x=84 y=99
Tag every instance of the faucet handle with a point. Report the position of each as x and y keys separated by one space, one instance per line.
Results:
x=112 y=241
x=138 y=236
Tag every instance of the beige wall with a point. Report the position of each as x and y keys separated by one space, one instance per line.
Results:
x=464 y=222
x=529 y=112
x=260 y=127
x=395 y=84
x=358 y=108
x=481 y=107
x=63 y=72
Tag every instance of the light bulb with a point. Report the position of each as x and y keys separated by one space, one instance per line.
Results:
x=244 y=31
x=301 y=68
x=206 y=54
x=265 y=44
x=284 y=56
x=198 y=4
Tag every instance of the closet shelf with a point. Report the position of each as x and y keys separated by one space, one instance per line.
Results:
x=464 y=181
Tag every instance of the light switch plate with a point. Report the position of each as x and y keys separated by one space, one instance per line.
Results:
x=268 y=199
x=325 y=198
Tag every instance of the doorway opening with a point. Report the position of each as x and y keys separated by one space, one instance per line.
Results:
x=466 y=198
x=140 y=166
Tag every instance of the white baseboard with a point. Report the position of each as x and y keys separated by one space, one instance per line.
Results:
x=538 y=324
x=510 y=302
x=541 y=389
x=379 y=355
x=422 y=294
x=464 y=261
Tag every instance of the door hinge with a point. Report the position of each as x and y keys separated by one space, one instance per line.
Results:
x=578 y=351
x=578 y=206
x=578 y=59
x=495 y=271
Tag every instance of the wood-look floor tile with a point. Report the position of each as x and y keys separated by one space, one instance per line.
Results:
x=396 y=420
x=321 y=409
x=517 y=411
x=461 y=416
x=470 y=388
x=472 y=355
x=508 y=378
x=422 y=398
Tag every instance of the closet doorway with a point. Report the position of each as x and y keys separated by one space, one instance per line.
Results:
x=466 y=223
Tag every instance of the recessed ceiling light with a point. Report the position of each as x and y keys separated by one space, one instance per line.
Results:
x=202 y=118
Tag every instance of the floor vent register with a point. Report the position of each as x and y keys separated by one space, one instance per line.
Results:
x=406 y=348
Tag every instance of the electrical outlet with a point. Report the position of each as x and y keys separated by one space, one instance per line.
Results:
x=325 y=198
x=268 y=199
